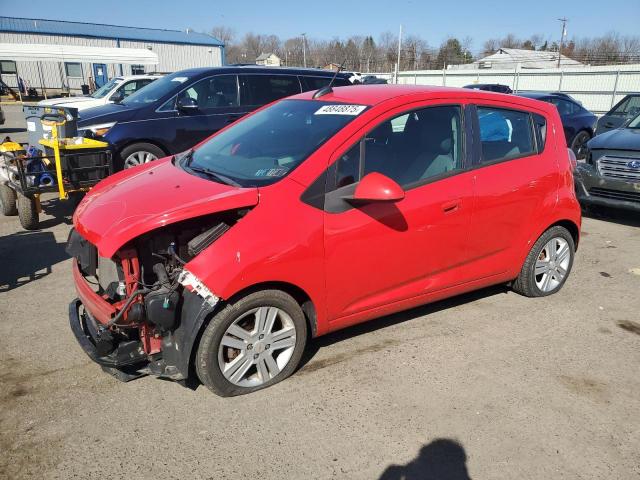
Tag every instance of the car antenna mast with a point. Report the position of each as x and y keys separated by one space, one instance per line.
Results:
x=328 y=89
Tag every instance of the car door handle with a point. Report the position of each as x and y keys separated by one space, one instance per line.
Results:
x=608 y=124
x=452 y=206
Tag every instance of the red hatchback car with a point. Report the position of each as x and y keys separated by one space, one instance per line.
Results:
x=314 y=214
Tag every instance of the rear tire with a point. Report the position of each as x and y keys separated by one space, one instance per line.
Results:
x=139 y=154
x=28 y=212
x=548 y=264
x=579 y=144
x=233 y=342
x=8 y=201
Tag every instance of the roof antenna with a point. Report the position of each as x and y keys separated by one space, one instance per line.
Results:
x=328 y=89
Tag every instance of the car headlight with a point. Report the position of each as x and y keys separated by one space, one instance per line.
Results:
x=99 y=130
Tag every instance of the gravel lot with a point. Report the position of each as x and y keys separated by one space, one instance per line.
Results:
x=487 y=385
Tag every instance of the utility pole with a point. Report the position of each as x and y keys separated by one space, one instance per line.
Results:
x=564 y=34
x=304 y=49
x=399 y=47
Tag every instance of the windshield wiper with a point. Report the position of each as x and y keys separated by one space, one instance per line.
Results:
x=215 y=175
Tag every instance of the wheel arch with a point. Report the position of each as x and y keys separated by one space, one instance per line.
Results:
x=299 y=295
x=193 y=337
x=571 y=227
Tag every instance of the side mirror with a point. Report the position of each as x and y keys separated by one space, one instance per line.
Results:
x=117 y=97
x=376 y=187
x=187 y=104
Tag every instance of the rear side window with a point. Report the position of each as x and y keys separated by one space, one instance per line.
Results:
x=504 y=134
x=263 y=89
x=565 y=107
x=316 y=83
x=540 y=126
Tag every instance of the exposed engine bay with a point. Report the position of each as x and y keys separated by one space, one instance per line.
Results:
x=144 y=286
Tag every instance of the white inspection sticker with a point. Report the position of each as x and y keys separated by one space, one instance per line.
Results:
x=340 y=110
x=31 y=126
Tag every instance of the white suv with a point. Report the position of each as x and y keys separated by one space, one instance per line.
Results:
x=115 y=90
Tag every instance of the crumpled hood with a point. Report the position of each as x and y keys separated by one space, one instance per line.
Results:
x=133 y=202
x=618 y=139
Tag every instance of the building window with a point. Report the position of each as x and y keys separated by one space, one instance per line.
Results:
x=73 y=69
x=8 y=66
x=137 y=69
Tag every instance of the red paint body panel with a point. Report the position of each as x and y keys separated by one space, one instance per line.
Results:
x=98 y=306
x=144 y=198
x=443 y=238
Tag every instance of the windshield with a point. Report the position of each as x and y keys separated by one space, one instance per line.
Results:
x=635 y=123
x=106 y=88
x=156 y=90
x=265 y=147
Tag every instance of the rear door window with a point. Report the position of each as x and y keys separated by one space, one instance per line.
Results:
x=257 y=90
x=213 y=92
x=504 y=134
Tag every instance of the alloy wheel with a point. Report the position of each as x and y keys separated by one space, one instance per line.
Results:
x=552 y=264
x=138 y=158
x=580 y=145
x=257 y=346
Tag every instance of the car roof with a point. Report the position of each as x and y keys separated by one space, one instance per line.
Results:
x=375 y=94
x=203 y=71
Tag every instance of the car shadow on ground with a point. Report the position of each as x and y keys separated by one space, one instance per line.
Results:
x=623 y=217
x=441 y=459
x=314 y=345
x=28 y=256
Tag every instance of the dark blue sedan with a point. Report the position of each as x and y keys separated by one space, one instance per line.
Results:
x=578 y=122
x=179 y=110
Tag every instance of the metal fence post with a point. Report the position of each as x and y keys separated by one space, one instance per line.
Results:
x=615 y=89
x=561 y=78
x=444 y=77
x=415 y=78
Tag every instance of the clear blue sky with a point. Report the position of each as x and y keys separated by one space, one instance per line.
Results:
x=433 y=21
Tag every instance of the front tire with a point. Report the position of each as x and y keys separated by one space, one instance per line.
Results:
x=139 y=154
x=252 y=343
x=548 y=264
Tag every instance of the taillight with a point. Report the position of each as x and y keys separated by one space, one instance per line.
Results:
x=572 y=159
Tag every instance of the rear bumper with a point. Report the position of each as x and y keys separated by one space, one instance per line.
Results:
x=594 y=189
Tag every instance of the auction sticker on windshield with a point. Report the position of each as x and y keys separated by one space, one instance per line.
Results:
x=340 y=110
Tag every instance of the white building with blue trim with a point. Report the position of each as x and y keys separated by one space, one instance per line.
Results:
x=175 y=50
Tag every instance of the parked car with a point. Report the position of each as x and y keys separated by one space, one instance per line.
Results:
x=579 y=124
x=373 y=80
x=622 y=112
x=183 y=108
x=490 y=87
x=114 y=91
x=314 y=214
x=611 y=174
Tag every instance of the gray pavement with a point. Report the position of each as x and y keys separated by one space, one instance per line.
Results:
x=487 y=385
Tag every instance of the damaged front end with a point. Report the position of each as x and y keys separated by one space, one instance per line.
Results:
x=140 y=311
